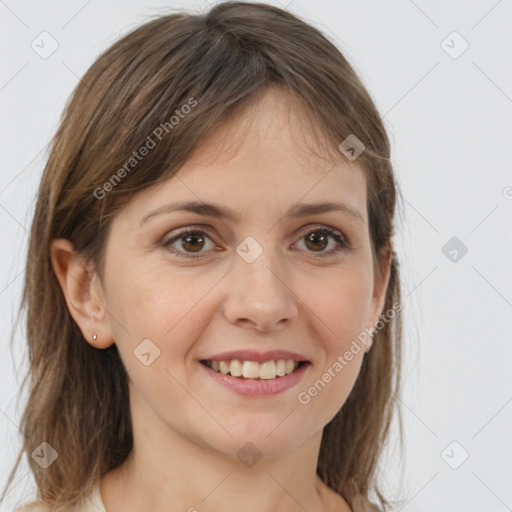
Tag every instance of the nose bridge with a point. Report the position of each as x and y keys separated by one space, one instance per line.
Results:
x=258 y=290
x=257 y=264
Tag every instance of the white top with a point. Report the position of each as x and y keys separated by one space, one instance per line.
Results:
x=94 y=503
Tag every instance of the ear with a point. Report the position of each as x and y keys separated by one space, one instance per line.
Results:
x=380 y=287
x=83 y=292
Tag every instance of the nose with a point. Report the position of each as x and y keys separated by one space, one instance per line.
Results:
x=259 y=296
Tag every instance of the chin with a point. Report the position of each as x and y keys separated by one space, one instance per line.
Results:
x=265 y=440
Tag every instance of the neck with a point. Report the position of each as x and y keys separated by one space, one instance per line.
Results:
x=166 y=471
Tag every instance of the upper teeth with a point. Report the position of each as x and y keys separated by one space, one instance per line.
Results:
x=253 y=369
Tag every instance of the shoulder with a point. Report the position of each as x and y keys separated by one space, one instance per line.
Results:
x=33 y=506
x=336 y=503
x=333 y=501
x=91 y=503
x=42 y=507
x=86 y=507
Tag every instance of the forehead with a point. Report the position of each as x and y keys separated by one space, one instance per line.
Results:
x=274 y=120
x=267 y=154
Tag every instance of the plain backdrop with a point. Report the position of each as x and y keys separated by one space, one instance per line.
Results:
x=441 y=76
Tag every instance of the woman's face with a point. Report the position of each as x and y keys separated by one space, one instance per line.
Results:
x=261 y=279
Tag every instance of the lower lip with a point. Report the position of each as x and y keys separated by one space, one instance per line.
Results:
x=258 y=387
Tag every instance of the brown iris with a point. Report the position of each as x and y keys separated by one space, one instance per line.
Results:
x=314 y=237
x=191 y=240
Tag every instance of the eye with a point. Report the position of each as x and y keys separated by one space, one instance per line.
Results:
x=317 y=239
x=190 y=239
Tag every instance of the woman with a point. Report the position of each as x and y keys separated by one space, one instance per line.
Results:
x=212 y=293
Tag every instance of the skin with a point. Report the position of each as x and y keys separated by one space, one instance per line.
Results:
x=187 y=431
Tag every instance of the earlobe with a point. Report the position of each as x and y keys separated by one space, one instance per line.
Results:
x=84 y=299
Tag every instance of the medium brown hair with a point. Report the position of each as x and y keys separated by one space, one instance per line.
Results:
x=78 y=398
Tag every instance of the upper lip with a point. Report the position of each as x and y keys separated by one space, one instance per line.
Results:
x=259 y=357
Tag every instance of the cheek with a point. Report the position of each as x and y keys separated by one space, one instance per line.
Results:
x=339 y=306
x=330 y=390
x=167 y=307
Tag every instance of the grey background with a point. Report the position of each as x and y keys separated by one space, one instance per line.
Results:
x=450 y=122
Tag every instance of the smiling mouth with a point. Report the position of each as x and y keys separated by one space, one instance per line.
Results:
x=252 y=370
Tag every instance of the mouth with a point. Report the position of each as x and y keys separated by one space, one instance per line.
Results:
x=253 y=370
x=253 y=374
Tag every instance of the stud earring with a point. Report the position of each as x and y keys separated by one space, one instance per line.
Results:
x=94 y=337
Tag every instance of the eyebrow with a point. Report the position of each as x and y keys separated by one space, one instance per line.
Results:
x=220 y=212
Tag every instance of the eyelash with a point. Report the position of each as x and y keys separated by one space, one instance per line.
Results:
x=342 y=245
